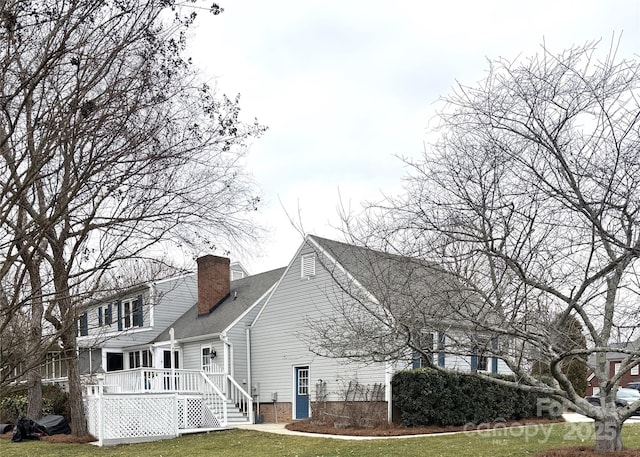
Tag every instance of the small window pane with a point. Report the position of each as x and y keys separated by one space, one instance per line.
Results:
x=303 y=382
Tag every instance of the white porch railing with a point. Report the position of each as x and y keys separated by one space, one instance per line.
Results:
x=217 y=376
x=153 y=380
x=192 y=389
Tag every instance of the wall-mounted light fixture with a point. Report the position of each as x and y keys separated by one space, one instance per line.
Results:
x=213 y=354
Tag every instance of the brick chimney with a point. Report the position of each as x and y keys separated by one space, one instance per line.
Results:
x=214 y=282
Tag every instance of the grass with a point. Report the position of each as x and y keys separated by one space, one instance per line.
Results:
x=506 y=442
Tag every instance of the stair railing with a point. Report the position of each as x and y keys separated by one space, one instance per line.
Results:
x=214 y=399
x=241 y=398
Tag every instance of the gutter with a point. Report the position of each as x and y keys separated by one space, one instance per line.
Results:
x=189 y=339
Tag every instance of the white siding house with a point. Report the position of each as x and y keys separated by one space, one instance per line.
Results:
x=287 y=373
x=217 y=337
x=288 y=376
x=118 y=331
x=232 y=343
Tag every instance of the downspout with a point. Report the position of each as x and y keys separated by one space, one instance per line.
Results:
x=153 y=292
x=249 y=385
x=173 y=366
x=388 y=375
x=225 y=351
x=225 y=347
x=248 y=335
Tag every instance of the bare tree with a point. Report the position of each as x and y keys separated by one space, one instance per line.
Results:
x=530 y=202
x=111 y=145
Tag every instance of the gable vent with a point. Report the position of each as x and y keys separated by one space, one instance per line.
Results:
x=308 y=265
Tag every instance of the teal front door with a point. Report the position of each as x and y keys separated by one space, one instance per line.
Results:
x=302 y=392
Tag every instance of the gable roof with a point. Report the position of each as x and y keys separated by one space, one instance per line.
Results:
x=244 y=293
x=416 y=289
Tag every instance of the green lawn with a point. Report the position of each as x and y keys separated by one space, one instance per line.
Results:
x=514 y=442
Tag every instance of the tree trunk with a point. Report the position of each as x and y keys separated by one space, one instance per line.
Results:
x=34 y=408
x=608 y=435
x=76 y=405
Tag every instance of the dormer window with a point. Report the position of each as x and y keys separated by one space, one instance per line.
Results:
x=308 y=265
x=130 y=314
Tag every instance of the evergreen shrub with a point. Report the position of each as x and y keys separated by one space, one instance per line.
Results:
x=434 y=397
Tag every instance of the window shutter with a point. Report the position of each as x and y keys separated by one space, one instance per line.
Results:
x=139 y=312
x=441 y=346
x=474 y=360
x=119 y=311
x=494 y=360
x=84 y=324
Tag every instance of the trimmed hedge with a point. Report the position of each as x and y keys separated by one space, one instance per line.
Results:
x=433 y=397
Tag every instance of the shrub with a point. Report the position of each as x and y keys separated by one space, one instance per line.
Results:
x=14 y=403
x=433 y=397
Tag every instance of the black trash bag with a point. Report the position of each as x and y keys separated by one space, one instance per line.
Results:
x=5 y=428
x=27 y=429
x=54 y=425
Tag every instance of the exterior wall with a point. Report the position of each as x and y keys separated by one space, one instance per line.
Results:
x=174 y=298
x=237 y=337
x=108 y=334
x=350 y=414
x=192 y=353
x=456 y=362
x=163 y=302
x=279 y=338
x=274 y=412
x=626 y=377
x=592 y=384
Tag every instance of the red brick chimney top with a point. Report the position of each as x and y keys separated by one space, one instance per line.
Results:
x=214 y=282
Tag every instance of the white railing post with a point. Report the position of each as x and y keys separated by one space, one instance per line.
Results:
x=176 y=425
x=101 y=378
x=100 y=419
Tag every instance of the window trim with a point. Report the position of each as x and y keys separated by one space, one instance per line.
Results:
x=132 y=313
x=302 y=386
x=136 y=359
x=83 y=328
x=206 y=366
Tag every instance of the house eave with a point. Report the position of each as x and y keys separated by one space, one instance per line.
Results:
x=189 y=339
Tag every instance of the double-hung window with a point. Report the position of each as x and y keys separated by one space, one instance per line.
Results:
x=132 y=313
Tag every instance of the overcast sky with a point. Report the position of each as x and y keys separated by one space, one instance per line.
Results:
x=346 y=86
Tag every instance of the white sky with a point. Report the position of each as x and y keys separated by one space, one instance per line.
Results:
x=344 y=86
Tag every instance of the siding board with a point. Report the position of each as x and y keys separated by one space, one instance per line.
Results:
x=278 y=338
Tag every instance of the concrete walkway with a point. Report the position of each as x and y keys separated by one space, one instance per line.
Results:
x=575 y=417
x=280 y=429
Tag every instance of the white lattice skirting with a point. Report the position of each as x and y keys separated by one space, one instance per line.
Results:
x=130 y=418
